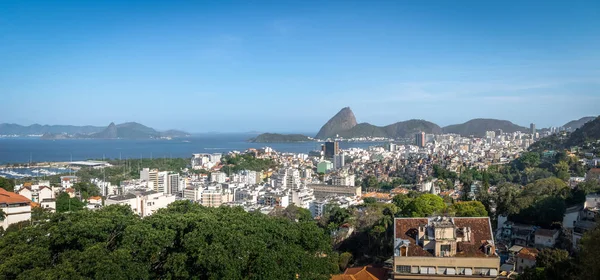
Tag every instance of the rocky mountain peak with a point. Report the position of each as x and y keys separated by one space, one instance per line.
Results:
x=342 y=121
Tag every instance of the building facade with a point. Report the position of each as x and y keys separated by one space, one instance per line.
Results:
x=16 y=208
x=444 y=248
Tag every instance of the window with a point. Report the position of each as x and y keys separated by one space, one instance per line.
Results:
x=481 y=271
x=403 y=251
x=414 y=269
x=403 y=268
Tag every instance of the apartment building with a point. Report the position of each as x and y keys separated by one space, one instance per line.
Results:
x=444 y=248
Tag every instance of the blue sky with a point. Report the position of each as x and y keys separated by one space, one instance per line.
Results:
x=291 y=65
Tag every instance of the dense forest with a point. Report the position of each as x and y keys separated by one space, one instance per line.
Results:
x=182 y=241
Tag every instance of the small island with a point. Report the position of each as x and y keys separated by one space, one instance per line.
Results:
x=280 y=138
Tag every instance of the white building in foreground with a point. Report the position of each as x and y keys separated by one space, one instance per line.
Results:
x=17 y=208
x=143 y=203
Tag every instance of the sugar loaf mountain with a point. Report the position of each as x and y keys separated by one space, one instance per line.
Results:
x=344 y=125
x=129 y=130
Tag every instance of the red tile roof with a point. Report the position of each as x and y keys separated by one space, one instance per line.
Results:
x=528 y=253
x=7 y=197
x=407 y=228
x=363 y=273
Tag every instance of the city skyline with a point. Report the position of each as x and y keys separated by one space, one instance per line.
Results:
x=236 y=67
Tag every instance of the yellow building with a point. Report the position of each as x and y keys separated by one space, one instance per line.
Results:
x=444 y=248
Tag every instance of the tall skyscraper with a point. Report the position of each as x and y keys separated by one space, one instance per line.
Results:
x=420 y=139
x=532 y=127
x=331 y=149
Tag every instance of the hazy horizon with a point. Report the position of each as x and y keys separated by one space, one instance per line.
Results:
x=283 y=67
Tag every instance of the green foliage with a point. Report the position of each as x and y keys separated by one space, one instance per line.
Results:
x=334 y=216
x=370 y=182
x=64 y=203
x=549 y=257
x=293 y=213
x=442 y=173
x=344 y=260
x=7 y=184
x=544 y=212
x=552 y=264
x=236 y=163
x=369 y=200
x=423 y=206
x=468 y=209
x=86 y=189
x=528 y=160
x=183 y=241
x=588 y=262
x=506 y=196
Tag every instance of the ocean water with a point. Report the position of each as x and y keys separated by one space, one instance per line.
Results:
x=22 y=150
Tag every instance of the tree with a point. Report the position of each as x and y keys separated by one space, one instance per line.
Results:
x=401 y=201
x=588 y=262
x=548 y=186
x=506 y=194
x=369 y=200
x=468 y=209
x=86 y=189
x=2 y=215
x=7 y=184
x=528 y=160
x=424 y=205
x=344 y=260
x=64 y=203
x=182 y=241
x=370 y=182
x=550 y=257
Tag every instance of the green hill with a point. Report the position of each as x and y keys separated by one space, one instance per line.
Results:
x=478 y=127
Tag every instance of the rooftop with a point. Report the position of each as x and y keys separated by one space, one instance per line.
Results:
x=7 y=197
x=481 y=233
x=528 y=254
x=546 y=232
x=362 y=273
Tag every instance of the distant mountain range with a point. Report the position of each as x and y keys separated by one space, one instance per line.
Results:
x=344 y=124
x=588 y=134
x=578 y=123
x=129 y=130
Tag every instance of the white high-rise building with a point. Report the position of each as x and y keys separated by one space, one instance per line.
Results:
x=162 y=182
x=173 y=184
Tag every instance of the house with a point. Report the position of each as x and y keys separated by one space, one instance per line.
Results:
x=593 y=174
x=70 y=192
x=16 y=208
x=36 y=193
x=571 y=216
x=444 y=248
x=95 y=200
x=68 y=181
x=581 y=227
x=525 y=259
x=546 y=237
x=49 y=204
x=363 y=272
